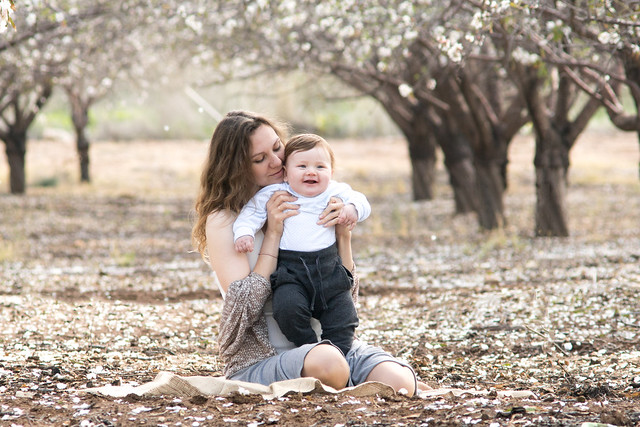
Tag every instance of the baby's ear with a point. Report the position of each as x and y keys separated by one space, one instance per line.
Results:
x=284 y=178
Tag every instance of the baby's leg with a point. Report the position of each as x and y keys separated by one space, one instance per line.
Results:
x=339 y=321
x=292 y=312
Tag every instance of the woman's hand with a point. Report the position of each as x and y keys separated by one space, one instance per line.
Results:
x=280 y=207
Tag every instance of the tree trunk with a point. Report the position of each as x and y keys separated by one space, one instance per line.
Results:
x=423 y=160
x=24 y=107
x=632 y=70
x=551 y=164
x=550 y=210
x=414 y=124
x=16 y=148
x=80 y=118
x=82 y=145
x=490 y=188
x=462 y=174
x=462 y=177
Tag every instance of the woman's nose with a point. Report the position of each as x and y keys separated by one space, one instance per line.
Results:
x=275 y=161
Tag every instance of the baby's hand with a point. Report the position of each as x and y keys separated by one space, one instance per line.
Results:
x=244 y=244
x=348 y=216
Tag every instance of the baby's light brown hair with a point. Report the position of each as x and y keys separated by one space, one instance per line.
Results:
x=306 y=142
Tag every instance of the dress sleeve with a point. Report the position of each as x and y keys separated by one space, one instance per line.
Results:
x=242 y=308
x=355 y=289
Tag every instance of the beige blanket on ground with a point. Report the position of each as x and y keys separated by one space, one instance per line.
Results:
x=170 y=384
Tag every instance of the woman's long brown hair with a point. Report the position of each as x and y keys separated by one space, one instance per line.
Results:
x=227 y=182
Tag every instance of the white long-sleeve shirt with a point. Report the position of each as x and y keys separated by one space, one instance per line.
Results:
x=301 y=232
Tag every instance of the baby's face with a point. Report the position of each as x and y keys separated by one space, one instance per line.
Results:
x=309 y=172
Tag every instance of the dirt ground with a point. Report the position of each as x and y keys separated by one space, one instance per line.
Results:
x=99 y=285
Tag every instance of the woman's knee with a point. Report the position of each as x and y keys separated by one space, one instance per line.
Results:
x=326 y=363
x=396 y=375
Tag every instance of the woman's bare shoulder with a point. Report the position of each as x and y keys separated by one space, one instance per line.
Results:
x=228 y=264
x=220 y=234
x=221 y=219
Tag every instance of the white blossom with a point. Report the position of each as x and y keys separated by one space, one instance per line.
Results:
x=410 y=35
x=477 y=22
x=524 y=57
x=405 y=90
x=192 y=22
x=347 y=31
x=384 y=51
x=455 y=52
x=31 y=19
x=608 y=38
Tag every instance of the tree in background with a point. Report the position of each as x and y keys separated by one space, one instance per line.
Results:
x=30 y=61
x=412 y=57
x=557 y=112
x=612 y=33
x=437 y=68
x=462 y=75
x=81 y=46
x=115 y=48
x=560 y=51
x=18 y=109
x=26 y=76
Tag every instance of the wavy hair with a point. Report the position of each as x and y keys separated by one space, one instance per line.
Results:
x=227 y=182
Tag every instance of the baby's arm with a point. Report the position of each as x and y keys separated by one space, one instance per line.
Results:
x=251 y=219
x=244 y=244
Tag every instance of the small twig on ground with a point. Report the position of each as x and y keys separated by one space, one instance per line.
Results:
x=633 y=325
x=567 y=374
x=548 y=338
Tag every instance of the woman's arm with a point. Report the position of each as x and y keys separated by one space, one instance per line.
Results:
x=244 y=292
x=330 y=217
x=231 y=265
x=228 y=264
x=343 y=239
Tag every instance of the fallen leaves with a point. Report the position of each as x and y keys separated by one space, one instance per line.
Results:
x=101 y=290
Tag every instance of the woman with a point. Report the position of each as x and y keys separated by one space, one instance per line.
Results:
x=245 y=154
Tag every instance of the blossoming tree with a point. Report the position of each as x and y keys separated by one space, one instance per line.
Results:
x=81 y=46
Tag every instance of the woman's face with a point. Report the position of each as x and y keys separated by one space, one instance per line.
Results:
x=267 y=154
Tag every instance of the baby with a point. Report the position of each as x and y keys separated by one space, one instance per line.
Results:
x=310 y=280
